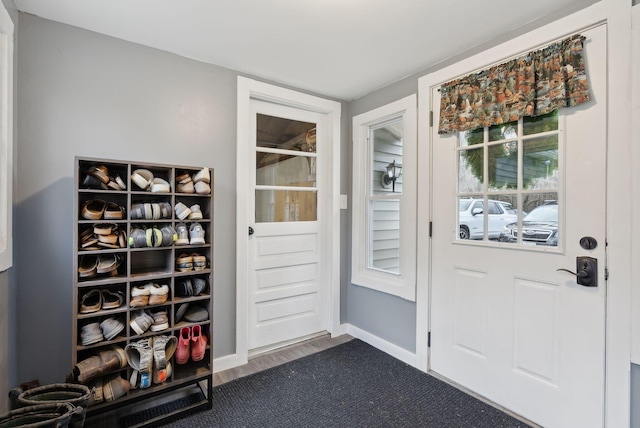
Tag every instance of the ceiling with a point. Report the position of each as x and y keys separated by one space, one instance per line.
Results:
x=337 y=48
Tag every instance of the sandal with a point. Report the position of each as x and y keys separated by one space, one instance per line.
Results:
x=93 y=209
x=91 y=302
x=111 y=300
x=88 y=266
x=113 y=211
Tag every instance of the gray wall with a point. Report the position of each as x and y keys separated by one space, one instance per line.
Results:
x=84 y=94
x=388 y=317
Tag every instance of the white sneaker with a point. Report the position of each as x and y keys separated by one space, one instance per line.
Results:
x=196 y=233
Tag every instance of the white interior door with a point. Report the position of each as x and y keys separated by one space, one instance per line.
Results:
x=286 y=289
x=504 y=322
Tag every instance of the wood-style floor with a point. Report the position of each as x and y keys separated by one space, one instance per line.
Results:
x=279 y=356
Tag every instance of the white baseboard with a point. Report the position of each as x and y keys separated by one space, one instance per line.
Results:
x=388 y=347
x=225 y=363
x=231 y=361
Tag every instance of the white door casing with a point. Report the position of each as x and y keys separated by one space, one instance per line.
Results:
x=504 y=322
x=327 y=229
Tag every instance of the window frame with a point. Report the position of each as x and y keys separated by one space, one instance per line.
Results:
x=402 y=284
x=6 y=138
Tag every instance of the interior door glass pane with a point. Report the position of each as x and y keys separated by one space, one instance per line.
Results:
x=384 y=235
x=506 y=131
x=503 y=166
x=275 y=169
x=285 y=206
x=471 y=218
x=540 y=163
x=285 y=134
x=471 y=170
x=538 y=124
x=386 y=151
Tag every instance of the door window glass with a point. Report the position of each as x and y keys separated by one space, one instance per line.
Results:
x=513 y=169
x=285 y=170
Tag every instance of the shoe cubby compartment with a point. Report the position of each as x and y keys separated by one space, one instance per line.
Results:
x=148 y=207
x=99 y=176
x=147 y=262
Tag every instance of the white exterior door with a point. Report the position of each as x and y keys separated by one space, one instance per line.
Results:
x=505 y=323
x=286 y=285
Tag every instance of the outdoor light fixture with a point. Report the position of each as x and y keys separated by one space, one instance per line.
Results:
x=394 y=170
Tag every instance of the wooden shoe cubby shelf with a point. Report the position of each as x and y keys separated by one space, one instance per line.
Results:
x=116 y=263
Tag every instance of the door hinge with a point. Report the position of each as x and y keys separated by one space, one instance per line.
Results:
x=430 y=229
x=429 y=340
x=431 y=118
x=606 y=273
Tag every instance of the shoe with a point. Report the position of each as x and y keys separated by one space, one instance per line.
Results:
x=199 y=261
x=137 y=238
x=140 y=295
x=184 y=346
x=196 y=234
x=91 y=302
x=114 y=387
x=184 y=263
x=107 y=360
x=203 y=176
x=185 y=187
x=196 y=313
x=182 y=211
x=93 y=209
x=109 y=263
x=141 y=321
x=88 y=240
x=184 y=184
x=163 y=349
x=199 y=286
x=196 y=213
x=158 y=185
x=111 y=327
x=91 y=182
x=137 y=211
x=183 y=234
x=169 y=235
x=97 y=396
x=90 y=334
x=184 y=288
x=160 y=321
x=116 y=183
x=202 y=188
x=99 y=172
x=111 y=299
x=113 y=211
x=198 y=343
x=159 y=294
x=88 y=266
x=180 y=312
x=139 y=355
x=142 y=178
x=153 y=237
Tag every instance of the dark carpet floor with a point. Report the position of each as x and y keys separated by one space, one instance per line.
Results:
x=351 y=385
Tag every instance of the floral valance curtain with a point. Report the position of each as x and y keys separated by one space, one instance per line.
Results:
x=531 y=85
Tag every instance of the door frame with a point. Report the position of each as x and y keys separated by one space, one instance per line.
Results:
x=249 y=89
x=615 y=14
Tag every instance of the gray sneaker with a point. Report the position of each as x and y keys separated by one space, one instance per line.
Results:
x=183 y=234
